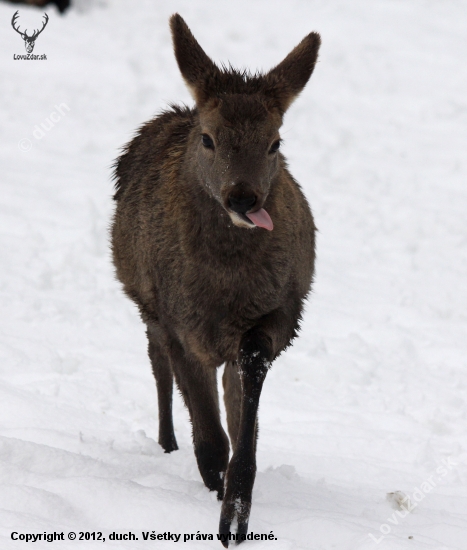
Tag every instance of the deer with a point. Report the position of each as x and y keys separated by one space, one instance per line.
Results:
x=29 y=41
x=214 y=241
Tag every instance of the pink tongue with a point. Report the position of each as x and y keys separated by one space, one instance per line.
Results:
x=261 y=218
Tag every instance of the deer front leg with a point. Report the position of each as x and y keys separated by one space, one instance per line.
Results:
x=198 y=385
x=254 y=361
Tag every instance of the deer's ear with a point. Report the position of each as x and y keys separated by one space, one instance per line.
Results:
x=291 y=75
x=196 y=67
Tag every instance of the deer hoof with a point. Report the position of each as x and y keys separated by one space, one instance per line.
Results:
x=242 y=529
x=224 y=530
x=230 y=511
x=169 y=446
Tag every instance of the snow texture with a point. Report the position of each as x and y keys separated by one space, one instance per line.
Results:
x=370 y=400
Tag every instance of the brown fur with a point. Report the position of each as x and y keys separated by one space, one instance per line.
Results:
x=211 y=287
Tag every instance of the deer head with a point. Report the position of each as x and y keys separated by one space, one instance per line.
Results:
x=29 y=41
x=236 y=151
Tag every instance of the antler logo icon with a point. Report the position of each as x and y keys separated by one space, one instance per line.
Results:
x=29 y=41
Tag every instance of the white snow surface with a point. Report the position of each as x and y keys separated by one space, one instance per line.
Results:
x=370 y=400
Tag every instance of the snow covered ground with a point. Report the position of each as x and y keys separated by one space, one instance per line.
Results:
x=369 y=401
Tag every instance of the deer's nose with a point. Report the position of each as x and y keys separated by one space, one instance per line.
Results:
x=242 y=202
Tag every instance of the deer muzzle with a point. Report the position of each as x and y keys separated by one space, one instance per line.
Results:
x=245 y=208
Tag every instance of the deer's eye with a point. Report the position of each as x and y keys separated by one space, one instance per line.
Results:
x=275 y=147
x=207 y=141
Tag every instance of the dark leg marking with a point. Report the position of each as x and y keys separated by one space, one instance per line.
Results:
x=254 y=361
